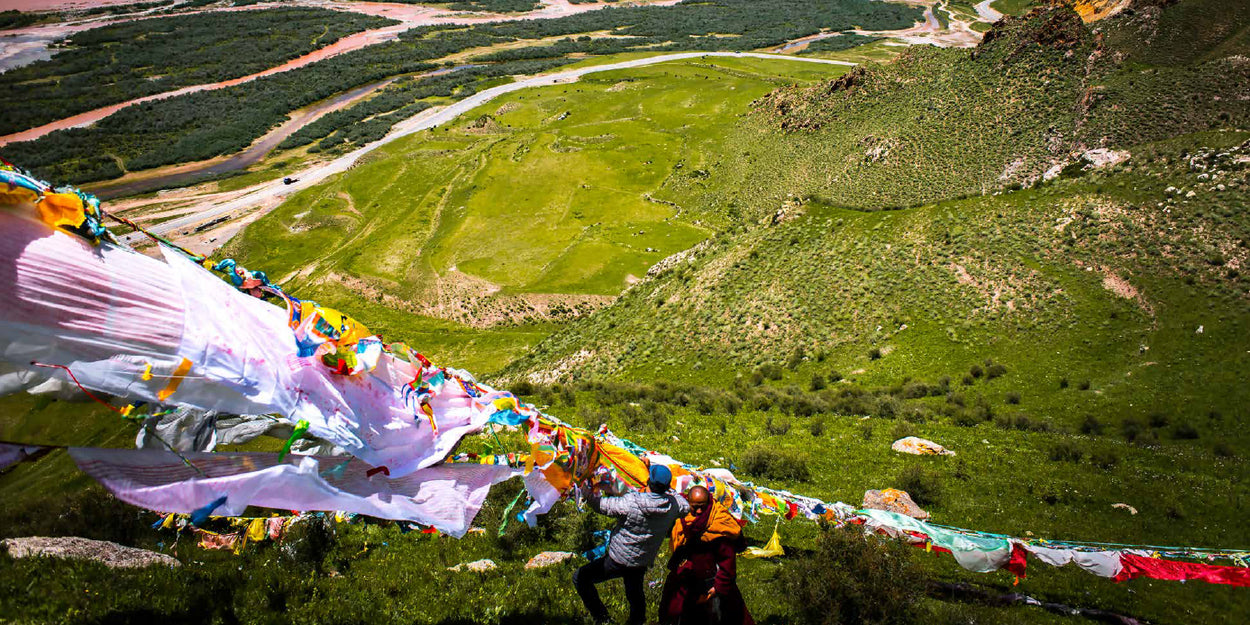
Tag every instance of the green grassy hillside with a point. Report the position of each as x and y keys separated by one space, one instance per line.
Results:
x=539 y=206
x=972 y=277
x=785 y=279
x=1094 y=278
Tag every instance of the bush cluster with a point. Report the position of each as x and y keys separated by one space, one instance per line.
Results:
x=766 y=462
x=924 y=486
x=853 y=578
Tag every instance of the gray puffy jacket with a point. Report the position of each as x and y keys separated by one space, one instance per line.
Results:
x=643 y=522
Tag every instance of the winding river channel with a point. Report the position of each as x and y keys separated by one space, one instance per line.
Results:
x=409 y=16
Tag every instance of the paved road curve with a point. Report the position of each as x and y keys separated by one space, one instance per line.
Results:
x=430 y=119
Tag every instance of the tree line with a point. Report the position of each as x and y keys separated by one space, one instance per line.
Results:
x=493 y=6
x=134 y=59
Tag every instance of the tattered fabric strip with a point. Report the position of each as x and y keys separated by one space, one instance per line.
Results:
x=446 y=496
x=11 y=454
x=171 y=332
x=1154 y=568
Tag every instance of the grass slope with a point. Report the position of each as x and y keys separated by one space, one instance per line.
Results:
x=539 y=205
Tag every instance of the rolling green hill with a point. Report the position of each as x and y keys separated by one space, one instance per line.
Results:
x=535 y=208
x=1033 y=252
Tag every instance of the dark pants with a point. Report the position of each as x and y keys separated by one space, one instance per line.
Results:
x=602 y=570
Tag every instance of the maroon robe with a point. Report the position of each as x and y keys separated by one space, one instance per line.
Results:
x=697 y=566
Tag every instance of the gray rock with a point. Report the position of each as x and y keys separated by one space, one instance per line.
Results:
x=110 y=554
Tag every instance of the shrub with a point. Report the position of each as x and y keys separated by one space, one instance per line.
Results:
x=1084 y=385
x=968 y=380
x=1105 y=460
x=1131 y=429
x=796 y=358
x=982 y=409
x=976 y=371
x=1158 y=420
x=995 y=371
x=1013 y=398
x=1091 y=425
x=757 y=378
x=887 y=406
x=874 y=354
x=902 y=430
x=524 y=387
x=309 y=541
x=917 y=414
x=915 y=390
x=645 y=418
x=925 y=487
x=818 y=383
x=761 y=402
x=1224 y=450
x=1063 y=382
x=1022 y=423
x=853 y=578
x=965 y=418
x=834 y=376
x=816 y=427
x=1066 y=451
x=777 y=428
x=1185 y=431
x=775 y=464
x=771 y=371
x=91 y=512
x=865 y=432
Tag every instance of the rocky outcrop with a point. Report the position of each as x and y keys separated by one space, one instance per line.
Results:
x=107 y=553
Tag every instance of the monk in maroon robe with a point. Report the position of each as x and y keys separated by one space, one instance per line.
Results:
x=702 y=585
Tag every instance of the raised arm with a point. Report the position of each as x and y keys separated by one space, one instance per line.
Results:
x=609 y=506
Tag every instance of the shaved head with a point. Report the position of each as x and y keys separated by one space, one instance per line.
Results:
x=698 y=496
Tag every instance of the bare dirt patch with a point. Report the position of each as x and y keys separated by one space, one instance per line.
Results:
x=476 y=302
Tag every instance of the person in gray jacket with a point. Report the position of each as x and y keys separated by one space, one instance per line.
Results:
x=643 y=521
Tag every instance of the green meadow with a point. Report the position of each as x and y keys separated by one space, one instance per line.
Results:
x=868 y=255
x=554 y=193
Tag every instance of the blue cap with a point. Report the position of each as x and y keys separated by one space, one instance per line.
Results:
x=660 y=479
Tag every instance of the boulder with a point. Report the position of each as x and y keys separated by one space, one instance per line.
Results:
x=893 y=500
x=479 y=566
x=109 y=554
x=920 y=447
x=547 y=558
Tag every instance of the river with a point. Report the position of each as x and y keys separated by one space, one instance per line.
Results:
x=190 y=172
x=410 y=16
